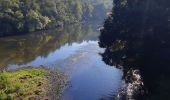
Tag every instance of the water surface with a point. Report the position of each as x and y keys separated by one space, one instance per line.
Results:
x=74 y=50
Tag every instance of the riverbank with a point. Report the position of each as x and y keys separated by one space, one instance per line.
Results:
x=32 y=83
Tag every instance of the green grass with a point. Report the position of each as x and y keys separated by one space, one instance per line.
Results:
x=23 y=84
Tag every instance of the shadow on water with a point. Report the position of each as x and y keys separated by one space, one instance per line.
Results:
x=137 y=40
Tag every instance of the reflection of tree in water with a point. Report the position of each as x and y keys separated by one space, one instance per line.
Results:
x=25 y=48
x=136 y=36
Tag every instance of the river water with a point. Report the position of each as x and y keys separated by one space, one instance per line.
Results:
x=74 y=50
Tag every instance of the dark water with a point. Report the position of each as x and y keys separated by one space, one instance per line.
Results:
x=73 y=50
x=136 y=38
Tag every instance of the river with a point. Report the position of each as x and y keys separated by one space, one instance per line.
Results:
x=73 y=50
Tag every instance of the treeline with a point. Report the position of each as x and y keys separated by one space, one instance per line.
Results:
x=137 y=39
x=30 y=15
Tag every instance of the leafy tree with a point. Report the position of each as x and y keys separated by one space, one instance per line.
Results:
x=136 y=38
x=18 y=16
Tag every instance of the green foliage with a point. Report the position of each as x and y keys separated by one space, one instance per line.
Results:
x=137 y=38
x=31 y=15
x=19 y=15
x=22 y=83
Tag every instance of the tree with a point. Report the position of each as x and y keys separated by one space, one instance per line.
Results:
x=136 y=38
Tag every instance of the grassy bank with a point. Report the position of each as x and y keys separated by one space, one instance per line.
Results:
x=23 y=84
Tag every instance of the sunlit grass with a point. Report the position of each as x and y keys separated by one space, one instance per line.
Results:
x=23 y=84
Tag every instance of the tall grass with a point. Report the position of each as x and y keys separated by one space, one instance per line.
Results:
x=22 y=83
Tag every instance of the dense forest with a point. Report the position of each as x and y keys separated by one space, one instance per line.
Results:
x=18 y=16
x=136 y=37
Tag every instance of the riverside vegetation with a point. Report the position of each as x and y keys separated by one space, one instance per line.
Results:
x=18 y=16
x=33 y=83
x=136 y=37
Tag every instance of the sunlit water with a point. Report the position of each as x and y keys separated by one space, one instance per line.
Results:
x=76 y=53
